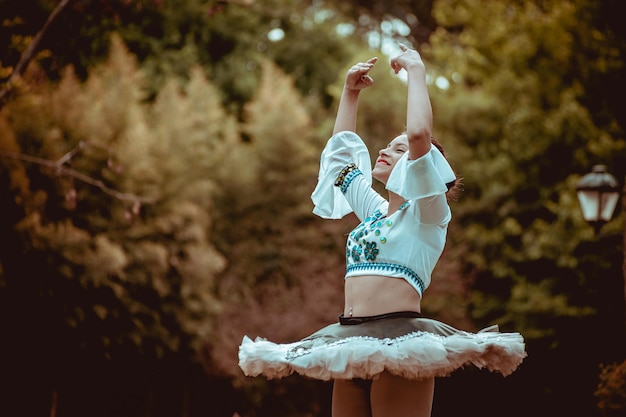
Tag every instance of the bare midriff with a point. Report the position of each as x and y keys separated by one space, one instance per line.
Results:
x=370 y=295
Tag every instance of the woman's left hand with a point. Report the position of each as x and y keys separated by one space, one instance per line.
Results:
x=358 y=76
x=408 y=58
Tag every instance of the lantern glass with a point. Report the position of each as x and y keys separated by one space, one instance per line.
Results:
x=598 y=194
x=608 y=202
x=596 y=205
x=589 y=204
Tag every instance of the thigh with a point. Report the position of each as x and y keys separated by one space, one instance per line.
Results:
x=351 y=398
x=393 y=396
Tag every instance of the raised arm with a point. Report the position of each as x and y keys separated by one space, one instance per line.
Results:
x=419 y=115
x=357 y=79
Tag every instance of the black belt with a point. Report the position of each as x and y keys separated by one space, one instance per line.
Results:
x=365 y=319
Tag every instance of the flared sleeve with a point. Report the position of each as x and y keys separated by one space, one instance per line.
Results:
x=342 y=149
x=423 y=177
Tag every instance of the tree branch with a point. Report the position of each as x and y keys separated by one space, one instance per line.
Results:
x=63 y=170
x=29 y=53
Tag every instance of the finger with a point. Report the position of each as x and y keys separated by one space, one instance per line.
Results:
x=363 y=66
x=372 y=60
x=359 y=70
x=366 y=78
x=403 y=47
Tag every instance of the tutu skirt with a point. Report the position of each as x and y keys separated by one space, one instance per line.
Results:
x=404 y=344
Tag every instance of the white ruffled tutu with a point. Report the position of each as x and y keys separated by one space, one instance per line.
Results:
x=410 y=347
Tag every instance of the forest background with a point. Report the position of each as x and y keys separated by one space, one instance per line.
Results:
x=156 y=163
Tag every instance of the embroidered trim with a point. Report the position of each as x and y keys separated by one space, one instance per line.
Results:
x=407 y=273
x=346 y=176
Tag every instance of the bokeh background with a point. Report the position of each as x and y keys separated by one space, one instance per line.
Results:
x=156 y=163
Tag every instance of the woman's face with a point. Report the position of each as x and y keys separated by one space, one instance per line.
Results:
x=388 y=157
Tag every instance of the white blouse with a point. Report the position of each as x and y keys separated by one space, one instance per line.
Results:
x=408 y=243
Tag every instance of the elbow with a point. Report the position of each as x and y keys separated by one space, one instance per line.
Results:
x=418 y=136
x=419 y=142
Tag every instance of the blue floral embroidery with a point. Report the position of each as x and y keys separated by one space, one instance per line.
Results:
x=357 y=250
x=371 y=251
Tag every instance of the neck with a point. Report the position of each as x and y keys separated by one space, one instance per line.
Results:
x=395 y=201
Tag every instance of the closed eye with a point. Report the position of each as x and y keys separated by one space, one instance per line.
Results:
x=398 y=148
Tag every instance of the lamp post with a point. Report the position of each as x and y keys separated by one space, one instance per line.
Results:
x=598 y=192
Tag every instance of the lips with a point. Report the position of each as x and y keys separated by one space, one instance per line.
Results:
x=382 y=161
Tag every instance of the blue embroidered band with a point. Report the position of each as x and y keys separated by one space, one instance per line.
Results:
x=406 y=273
x=346 y=176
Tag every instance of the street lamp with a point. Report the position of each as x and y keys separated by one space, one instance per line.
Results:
x=598 y=192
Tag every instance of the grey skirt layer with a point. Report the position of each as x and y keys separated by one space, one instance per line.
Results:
x=413 y=348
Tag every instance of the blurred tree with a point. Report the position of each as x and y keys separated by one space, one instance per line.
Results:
x=405 y=20
x=97 y=279
x=517 y=87
x=29 y=53
x=518 y=103
x=229 y=40
x=611 y=392
x=285 y=266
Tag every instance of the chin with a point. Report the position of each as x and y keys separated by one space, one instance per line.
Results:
x=379 y=176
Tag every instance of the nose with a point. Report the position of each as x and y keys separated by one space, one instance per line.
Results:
x=383 y=152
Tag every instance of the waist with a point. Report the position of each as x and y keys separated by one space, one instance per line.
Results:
x=371 y=295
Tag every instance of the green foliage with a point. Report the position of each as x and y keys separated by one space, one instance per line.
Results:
x=523 y=117
x=377 y=18
x=519 y=133
x=229 y=40
x=268 y=179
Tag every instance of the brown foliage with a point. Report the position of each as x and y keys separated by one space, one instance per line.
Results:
x=611 y=392
x=284 y=313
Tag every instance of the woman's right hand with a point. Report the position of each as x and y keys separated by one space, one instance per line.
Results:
x=408 y=57
x=358 y=76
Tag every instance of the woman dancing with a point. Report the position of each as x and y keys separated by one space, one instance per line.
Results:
x=382 y=354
